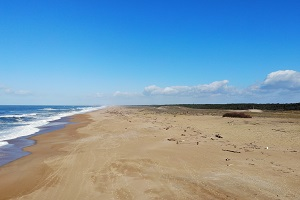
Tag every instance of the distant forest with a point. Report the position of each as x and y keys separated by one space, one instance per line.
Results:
x=244 y=106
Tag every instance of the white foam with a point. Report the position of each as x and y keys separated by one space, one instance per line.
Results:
x=20 y=131
x=3 y=143
x=33 y=127
x=48 y=109
x=19 y=115
x=51 y=109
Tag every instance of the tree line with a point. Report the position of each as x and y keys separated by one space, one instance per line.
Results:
x=244 y=106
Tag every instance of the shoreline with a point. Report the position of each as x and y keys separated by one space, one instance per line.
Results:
x=43 y=147
x=46 y=119
x=163 y=153
x=16 y=151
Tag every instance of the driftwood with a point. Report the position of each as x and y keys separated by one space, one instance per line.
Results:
x=231 y=151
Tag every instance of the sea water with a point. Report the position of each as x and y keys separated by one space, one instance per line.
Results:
x=18 y=123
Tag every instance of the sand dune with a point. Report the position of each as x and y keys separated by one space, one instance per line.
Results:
x=170 y=153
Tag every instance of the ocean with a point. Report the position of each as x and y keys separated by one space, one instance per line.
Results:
x=19 y=123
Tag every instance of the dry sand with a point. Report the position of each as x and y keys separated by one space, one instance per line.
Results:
x=161 y=153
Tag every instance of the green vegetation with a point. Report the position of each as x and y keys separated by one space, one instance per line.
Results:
x=236 y=115
x=246 y=106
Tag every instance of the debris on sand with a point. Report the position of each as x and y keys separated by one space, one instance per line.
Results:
x=231 y=151
x=171 y=139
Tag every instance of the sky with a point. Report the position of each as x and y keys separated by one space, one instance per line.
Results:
x=116 y=52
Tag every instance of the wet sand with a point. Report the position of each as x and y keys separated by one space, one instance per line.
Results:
x=161 y=153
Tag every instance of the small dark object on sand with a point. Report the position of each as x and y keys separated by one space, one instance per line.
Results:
x=171 y=139
x=231 y=151
x=237 y=115
x=218 y=136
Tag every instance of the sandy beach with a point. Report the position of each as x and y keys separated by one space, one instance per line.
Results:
x=161 y=153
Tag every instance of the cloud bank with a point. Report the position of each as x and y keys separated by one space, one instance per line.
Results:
x=217 y=87
x=281 y=86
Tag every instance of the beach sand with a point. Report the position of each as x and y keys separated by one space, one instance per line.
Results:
x=161 y=153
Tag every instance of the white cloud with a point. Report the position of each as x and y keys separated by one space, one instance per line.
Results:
x=125 y=94
x=22 y=92
x=278 y=87
x=99 y=95
x=9 y=91
x=283 y=79
x=217 y=87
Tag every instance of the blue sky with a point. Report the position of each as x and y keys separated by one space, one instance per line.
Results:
x=149 y=51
